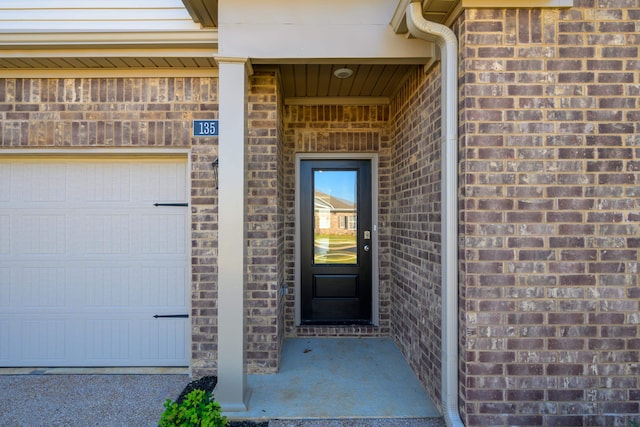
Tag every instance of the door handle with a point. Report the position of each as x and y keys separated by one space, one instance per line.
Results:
x=366 y=248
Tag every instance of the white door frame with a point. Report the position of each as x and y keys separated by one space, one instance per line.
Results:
x=375 y=277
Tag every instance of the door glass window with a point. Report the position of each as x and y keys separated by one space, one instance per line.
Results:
x=335 y=210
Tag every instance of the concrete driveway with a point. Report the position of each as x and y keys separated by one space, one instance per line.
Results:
x=86 y=400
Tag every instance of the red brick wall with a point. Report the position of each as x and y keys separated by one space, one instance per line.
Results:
x=415 y=264
x=549 y=132
x=265 y=225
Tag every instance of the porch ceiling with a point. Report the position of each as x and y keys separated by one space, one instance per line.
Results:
x=317 y=83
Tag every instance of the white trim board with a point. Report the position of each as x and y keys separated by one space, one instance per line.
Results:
x=108 y=73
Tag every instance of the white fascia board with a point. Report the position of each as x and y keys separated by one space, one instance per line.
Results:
x=281 y=29
x=26 y=40
x=106 y=73
x=156 y=52
x=99 y=26
x=318 y=41
x=141 y=52
x=84 y=4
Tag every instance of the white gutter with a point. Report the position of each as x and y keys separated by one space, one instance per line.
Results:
x=448 y=43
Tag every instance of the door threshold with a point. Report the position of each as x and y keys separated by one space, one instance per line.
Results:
x=336 y=323
x=97 y=371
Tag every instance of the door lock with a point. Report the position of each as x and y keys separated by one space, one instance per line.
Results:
x=367 y=235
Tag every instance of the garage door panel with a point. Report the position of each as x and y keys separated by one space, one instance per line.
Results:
x=43 y=234
x=5 y=178
x=164 y=234
x=109 y=286
x=152 y=341
x=160 y=338
x=4 y=340
x=41 y=340
x=108 y=339
x=106 y=182
x=108 y=234
x=44 y=182
x=143 y=287
x=5 y=235
x=163 y=183
x=42 y=287
x=164 y=287
x=87 y=266
x=5 y=287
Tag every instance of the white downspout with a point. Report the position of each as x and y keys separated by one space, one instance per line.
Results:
x=448 y=43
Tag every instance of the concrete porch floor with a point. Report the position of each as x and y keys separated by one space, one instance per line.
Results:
x=329 y=378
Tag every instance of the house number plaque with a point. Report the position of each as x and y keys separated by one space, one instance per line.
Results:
x=205 y=128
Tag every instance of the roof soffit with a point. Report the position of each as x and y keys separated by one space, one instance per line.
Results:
x=204 y=12
x=447 y=11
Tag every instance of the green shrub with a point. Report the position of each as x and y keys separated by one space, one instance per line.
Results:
x=198 y=409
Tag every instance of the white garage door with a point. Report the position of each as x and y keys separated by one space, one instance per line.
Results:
x=87 y=260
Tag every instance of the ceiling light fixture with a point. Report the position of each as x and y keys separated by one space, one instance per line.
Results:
x=343 y=73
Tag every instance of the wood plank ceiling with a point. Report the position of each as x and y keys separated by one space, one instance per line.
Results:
x=379 y=81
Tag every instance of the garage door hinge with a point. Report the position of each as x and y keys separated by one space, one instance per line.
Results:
x=184 y=316
x=171 y=204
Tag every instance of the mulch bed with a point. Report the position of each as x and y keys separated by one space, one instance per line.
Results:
x=204 y=383
x=208 y=384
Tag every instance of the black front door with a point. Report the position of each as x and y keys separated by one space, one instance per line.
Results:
x=336 y=241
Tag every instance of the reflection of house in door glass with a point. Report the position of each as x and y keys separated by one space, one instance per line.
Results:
x=335 y=217
x=324 y=217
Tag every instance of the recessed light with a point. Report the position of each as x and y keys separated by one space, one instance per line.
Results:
x=343 y=73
